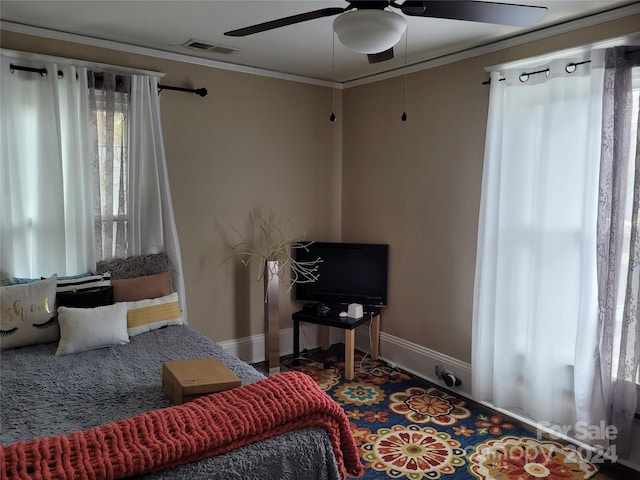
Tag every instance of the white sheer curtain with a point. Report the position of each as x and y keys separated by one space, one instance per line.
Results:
x=619 y=242
x=46 y=219
x=51 y=199
x=109 y=129
x=152 y=226
x=535 y=305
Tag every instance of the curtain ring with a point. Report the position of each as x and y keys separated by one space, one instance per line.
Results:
x=570 y=67
x=524 y=77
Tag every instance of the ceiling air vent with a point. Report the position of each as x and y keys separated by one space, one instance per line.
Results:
x=207 y=47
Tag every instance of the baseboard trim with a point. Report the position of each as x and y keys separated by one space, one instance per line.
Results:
x=408 y=356
x=421 y=361
x=251 y=349
x=248 y=349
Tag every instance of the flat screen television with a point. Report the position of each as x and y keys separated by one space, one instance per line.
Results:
x=348 y=273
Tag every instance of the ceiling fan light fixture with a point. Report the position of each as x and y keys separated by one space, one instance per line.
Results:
x=369 y=31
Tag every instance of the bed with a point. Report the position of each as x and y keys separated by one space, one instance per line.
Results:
x=44 y=396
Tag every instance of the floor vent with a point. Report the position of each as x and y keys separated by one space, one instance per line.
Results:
x=207 y=47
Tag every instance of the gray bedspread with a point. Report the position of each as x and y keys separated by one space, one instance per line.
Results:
x=44 y=395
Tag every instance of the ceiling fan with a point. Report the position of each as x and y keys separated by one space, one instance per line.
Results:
x=369 y=27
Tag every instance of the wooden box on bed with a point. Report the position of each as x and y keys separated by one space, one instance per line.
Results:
x=186 y=380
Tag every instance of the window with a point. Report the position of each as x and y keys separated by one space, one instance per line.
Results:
x=76 y=184
x=551 y=213
x=109 y=104
x=46 y=224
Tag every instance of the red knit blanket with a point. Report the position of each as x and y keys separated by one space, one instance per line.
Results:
x=172 y=436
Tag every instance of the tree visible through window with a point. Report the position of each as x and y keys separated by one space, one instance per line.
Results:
x=109 y=103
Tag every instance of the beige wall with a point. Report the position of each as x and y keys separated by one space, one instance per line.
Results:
x=253 y=145
x=256 y=144
x=416 y=185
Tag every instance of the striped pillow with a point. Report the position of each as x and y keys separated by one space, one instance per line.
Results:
x=151 y=314
x=83 y=283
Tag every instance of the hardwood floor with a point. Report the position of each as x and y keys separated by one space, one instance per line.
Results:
x=616 y=472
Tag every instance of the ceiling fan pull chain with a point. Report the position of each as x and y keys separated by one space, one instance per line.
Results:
x=332 y=117
x=404 y=101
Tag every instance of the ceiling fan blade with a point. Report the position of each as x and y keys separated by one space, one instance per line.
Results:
x=380 y=57
x=476 y=11
x=283 y=22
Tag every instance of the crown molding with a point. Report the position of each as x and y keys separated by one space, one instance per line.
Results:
x=580 y=51
x=491 y=47
x=444 y=59
x=152 y=52
x=19 y=55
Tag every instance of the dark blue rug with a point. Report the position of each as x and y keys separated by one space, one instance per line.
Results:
x=407 y=428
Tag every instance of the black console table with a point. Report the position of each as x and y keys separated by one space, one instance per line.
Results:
x=348 y=324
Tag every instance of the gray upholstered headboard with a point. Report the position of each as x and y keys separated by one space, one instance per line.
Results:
x=136 y=266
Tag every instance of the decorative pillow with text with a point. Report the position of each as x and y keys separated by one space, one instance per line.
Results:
x=27 y=314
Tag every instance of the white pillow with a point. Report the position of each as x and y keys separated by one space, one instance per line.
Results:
x=88 y=328
x=151 y=314
x=27 y=314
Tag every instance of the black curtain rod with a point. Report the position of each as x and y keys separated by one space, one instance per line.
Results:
x=569 y=68
x=198 y=91
x=43 y=72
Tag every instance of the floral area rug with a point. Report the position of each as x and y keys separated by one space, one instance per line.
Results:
x=406 y=428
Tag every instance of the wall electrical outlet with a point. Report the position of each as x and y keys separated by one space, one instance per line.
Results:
x=447 y=377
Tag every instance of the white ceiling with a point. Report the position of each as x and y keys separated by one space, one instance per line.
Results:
x=304 y=49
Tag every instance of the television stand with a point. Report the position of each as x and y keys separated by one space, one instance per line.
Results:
x=348 y=324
